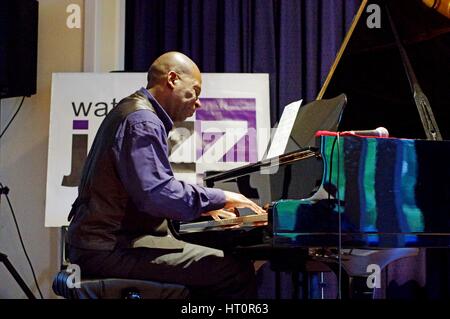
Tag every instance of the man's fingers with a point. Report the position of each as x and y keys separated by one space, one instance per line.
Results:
x=215 y=217
x=226 y=214
x=255 y=208
x=236 y=200
x=258 y=210
x=221 y=214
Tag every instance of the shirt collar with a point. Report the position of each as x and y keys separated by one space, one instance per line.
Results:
x=162 y=114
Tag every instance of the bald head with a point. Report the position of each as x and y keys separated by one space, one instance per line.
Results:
x=170 y=61
x=175 y=82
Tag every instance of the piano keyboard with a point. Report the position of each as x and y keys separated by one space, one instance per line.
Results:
x=249 y=220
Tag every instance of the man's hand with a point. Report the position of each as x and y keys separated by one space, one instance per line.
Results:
x=235 y=200
x=220 y=214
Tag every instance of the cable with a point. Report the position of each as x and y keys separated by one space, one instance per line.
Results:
x=5 y=192
x=338 y=198
x=337 y=201
x=12 y=118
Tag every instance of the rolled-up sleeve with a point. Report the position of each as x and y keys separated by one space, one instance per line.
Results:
x=144 y=169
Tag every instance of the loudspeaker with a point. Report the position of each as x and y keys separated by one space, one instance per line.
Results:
x=18 y=47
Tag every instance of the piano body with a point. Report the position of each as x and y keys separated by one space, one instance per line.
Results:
x=367 y=192
x=370 y=71
x=375 y=193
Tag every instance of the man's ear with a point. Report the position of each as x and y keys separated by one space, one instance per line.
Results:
x=171 y=78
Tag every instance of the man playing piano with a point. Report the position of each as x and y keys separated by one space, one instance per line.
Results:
x=127 y=192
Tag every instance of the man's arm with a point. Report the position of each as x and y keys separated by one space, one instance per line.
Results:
x=145 y=171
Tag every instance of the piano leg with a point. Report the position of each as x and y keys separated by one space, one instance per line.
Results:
x=281 y=261
x=295 y=284
x=305 y=285
x=277 y=285
x=343 y=282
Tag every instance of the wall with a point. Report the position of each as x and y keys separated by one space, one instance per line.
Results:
x=23 y=156
x=23 y=149
x=104 y=42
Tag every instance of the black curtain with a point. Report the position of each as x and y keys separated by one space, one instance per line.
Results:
x=295 y=41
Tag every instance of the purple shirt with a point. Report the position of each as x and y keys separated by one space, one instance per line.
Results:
x=142 y=162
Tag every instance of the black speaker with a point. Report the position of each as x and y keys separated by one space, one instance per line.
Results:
x=18 y=47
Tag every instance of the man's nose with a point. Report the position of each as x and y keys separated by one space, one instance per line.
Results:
x=198 y=104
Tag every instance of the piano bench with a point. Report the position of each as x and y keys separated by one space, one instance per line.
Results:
x=116 y=288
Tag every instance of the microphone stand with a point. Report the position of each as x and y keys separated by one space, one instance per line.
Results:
x=10 y=267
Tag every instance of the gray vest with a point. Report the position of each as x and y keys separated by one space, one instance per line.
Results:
x=103 y=216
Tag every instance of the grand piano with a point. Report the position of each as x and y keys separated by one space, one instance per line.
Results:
x=359 y=192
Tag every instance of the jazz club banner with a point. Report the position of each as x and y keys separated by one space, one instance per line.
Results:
x=230 y=130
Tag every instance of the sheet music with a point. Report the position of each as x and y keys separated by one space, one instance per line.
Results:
x=283 y=132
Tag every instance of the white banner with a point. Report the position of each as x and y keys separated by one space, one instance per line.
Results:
x=220 y=136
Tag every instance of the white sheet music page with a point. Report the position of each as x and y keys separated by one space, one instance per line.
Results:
x=283 y=131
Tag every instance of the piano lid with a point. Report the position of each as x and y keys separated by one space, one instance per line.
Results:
x=369 y=69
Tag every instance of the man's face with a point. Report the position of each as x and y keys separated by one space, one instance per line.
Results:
x=186 y=94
